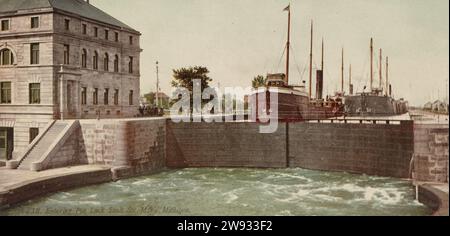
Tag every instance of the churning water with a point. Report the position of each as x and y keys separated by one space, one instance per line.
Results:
x=235 y=192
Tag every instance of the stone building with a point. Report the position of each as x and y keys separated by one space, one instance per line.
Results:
x=62 y=59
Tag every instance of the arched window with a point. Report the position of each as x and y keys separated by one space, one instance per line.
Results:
x=106 y=62
x=84 y=58
x=116 y=63
x=6 y=57
x=95 y=61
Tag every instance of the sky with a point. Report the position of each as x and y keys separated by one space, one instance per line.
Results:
x=239 y=39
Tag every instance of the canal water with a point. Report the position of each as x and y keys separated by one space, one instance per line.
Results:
x=212 y=191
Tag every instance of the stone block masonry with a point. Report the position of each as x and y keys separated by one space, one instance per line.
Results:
x=131 y=146
x=431 y=153
x=373 y=149
x=224 y=145
x=142 y=146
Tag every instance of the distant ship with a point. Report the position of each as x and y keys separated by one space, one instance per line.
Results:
x=294 y=103
x=377 y=101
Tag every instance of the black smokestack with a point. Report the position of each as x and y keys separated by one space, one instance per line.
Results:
x=319 y=84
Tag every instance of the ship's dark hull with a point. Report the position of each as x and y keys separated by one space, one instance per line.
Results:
x=372 y=105
x=293 y=107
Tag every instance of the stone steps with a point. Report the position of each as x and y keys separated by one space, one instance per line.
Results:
x=43 y=145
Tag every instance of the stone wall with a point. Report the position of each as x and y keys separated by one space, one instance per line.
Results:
x=431 y=153
x=132 y=146
x=373 y=149
x=224 y=145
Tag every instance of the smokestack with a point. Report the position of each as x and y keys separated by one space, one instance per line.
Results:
x=319 y=78
x=319 y=84
x=350 y=85
x=387 y=76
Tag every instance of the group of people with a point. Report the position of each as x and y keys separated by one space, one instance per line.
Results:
x=149 y=110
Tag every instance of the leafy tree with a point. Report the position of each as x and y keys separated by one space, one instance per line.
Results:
x=150 y=97
x=258 y=81
x=184 y=77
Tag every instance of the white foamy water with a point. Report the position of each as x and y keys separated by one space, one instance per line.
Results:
x=213 y=191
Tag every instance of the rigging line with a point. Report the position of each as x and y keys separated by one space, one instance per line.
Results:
x=281 y=58
x=296 y=64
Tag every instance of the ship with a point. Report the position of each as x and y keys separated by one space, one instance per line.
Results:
x=378 y=101
x=294 y=102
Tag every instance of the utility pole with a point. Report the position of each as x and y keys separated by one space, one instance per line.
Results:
x=310 y=62
x=157 y=85
x=342 y=72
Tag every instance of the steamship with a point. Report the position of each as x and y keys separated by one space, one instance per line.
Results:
x=377 y=101
x=293 y=101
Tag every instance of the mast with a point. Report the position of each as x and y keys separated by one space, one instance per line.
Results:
x=371 y=64
x=288 y=43
x=310 y=62
x=387 y=76
x=381 y=68
x=350 y=89
x=342 y=72
x=157 y=85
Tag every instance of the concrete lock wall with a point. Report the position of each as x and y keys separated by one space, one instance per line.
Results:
x=375 y=149
x=224 y=145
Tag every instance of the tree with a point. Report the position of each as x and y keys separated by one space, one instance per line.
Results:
x=150 y=97
x=259 y=81
x=184 y=77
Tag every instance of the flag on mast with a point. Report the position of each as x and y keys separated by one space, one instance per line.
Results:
x=288 y=8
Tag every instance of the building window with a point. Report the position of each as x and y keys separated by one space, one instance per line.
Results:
x=116 y=36
x=34 y=48
x=95 y=96
x=34 y=132
x=35 y=93
x=106 y=96
x=84 y=58
x=5 y=25
x=34 y=22
x=84 y=28
x=106 y=34
x=95 y=61
x=95 y=32
x=116 y=63
x=83 y=95
x=130 y=66
x=66 y=54
x=106 y=62
x=67 y=24
x=6 y=57
x=116 y=97
x=131 y=40
x=5 y=93
x=130 y=98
